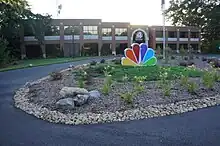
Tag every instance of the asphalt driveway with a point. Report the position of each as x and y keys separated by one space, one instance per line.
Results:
x=198 y=128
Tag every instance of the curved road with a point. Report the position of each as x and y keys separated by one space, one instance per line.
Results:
x=198 y=128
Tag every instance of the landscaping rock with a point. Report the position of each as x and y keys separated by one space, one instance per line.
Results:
x=67 y=103
x=94 y=94
x=72 y=91
x=79 y=100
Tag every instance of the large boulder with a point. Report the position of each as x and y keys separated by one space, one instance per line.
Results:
x=80 y=99
x=66 y=103
x=94 y=94
x=72 y=91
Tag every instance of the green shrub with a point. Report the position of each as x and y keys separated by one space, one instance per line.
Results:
x=56 y=75
x=105 y=89
x=127 y=97
x=192 y=86
x=107 y=84
x=81 y=83
x=108 y=70
x=208 y=79
x=184 y=80
x=166 y=90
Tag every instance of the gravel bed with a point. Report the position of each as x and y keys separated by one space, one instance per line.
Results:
x=39 y=98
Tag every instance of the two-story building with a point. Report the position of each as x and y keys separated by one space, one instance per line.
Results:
x=95 y=37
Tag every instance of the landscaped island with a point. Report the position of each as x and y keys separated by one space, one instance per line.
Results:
x=108 y=91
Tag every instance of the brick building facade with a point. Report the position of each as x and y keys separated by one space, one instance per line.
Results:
x=114 y=36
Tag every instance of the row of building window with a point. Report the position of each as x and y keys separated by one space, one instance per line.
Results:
x=93 y=30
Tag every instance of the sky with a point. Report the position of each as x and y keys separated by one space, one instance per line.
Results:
x=137 y=12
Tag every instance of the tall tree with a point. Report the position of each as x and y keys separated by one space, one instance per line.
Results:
x=199 y=13
x=13 y=15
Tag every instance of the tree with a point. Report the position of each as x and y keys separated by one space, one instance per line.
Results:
x=199 y=13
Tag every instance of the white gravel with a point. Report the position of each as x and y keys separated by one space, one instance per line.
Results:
x=22 y=102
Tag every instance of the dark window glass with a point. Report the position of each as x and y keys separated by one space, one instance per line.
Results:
x=183 y=34
x=159 y=34
x=106 y=32
x=70 y=30
x=172 y=34
x=121 y=32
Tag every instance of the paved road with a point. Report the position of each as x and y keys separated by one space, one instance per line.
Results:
x=198 y=128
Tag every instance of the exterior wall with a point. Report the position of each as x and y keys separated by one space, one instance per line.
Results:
x=66 y=41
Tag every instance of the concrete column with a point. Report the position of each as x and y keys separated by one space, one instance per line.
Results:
x=113 y=41
x=81 y=46
x=129 y=36
x=100 y=38
x=81 y=38
x=178 y=41
x=153 y=38
x=189 y=36
x=166 y=37
x=62 y=37
x=99 y=48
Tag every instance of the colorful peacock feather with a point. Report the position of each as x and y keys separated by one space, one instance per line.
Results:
x=139 y=55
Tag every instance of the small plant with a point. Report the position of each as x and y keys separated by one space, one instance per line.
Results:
x=105 y=89
x=108 y=70
x=164 y=83
x=125 y=78
x=208 y=79
x=127 y=97
x=166 y=90
x=107 y=84
x=184 y=80
x=102 y=61
x=192 y=86
x=81 y=83
x=56 y=75
x=93 y=63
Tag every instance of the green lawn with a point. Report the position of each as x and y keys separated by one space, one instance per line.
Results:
x=40 y=62
x=151 y=72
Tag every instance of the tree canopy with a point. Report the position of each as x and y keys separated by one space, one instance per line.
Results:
x=204 y=14
x=14 y=16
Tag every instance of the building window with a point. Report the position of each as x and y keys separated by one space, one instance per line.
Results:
x=106 y=32
x=121 y=32
x=53 y=31
x=159 y=34
x=70 y=30
x=183 y=34
x=172 y=34
x=90 y=30
x=194 y=35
